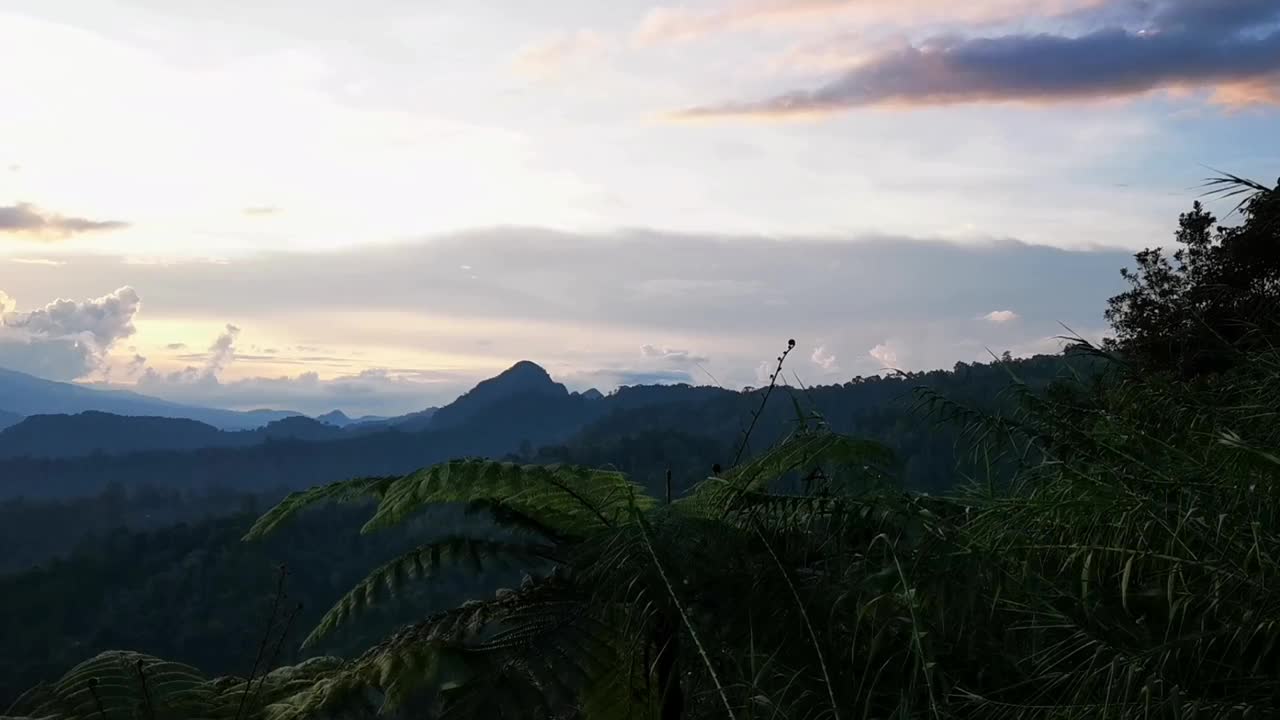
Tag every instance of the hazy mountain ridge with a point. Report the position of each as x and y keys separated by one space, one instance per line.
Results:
x=25 y=395
x=519 y=413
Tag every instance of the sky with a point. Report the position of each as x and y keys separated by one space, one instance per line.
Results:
x=372 y=206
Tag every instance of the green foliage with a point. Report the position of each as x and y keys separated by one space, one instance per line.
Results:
x=423 y=562
x=1215 y=298
x=1115 y=554
x=132 y=685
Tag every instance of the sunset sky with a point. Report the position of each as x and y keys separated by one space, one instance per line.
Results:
x=372 y=205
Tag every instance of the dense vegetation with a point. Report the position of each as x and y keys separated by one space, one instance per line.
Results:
x=640 y=430
x=1110 y=550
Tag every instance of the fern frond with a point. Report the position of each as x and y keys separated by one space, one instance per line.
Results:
x=123 y=683
x=840 y=455
x=421 y=563
x=346 y=491
x=569 y=499
x=451 y=649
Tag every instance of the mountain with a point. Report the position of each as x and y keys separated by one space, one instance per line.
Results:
x=337 y=418
x=412 y=422
x=26 y=395
x=525 y=379
x=641 y=430
x=92 y=432
x=8 y=418
x=519 y=409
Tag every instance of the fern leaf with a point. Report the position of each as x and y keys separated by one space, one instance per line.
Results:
x=420 y=564
x=120 y=684
x=800 y=452
x=568 y=499
x=341 y=492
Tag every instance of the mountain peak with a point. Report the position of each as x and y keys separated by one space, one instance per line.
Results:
x=523 y=378
x=524 y=371
x=335 y=417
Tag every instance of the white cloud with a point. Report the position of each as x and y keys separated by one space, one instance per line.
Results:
x=221 y=354
x=824 y=359
x=887 y=354
x=378 y=391
x=66 y=339
x=764 y=370
x=671 y=354
x=550 y=56
x=105 y=319
x=223 y=350
x=1000 y=317
x=542 y=292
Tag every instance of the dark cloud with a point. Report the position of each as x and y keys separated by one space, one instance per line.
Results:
x=25 y=219
x=1178 y=44
x=1216 y=15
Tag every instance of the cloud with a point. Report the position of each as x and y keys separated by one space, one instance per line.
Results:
x=176 y=346
x=66 y=339
x=223 y=350
x=104 y=320
x=733 y=299
x=1000 y=317
x=548 y=57
x=1174 y=50
x=261 y=210
x=677 y=24
x=377 y=391
x=28 y=221
x=36 y=261
x=887 y=354
x=672 y=354
x=609 y=378
x=221 y=354
x=824 y=359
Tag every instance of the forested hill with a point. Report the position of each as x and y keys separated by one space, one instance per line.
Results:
x=47 y=505
x=215 y=588
x=492 y=422
x=90 y=433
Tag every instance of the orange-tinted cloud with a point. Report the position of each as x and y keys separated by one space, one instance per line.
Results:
x=1109 y=63
x=1247 y=93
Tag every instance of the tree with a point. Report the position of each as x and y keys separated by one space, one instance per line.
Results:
x=1194 y=312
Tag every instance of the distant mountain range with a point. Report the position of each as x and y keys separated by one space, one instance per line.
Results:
x=87 y=433
x=521 y=412
x=94 y=471
x=135 y=423
x=25 y=395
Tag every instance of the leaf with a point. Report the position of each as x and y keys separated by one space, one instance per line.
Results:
x=420 y=564
x=340 y=492
x=568 y=499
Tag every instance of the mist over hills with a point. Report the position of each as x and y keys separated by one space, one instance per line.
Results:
x=24 y=395
x=520 y=412
x=524 y=389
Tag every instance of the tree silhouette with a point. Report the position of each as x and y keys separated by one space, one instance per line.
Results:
x=1194 y=312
